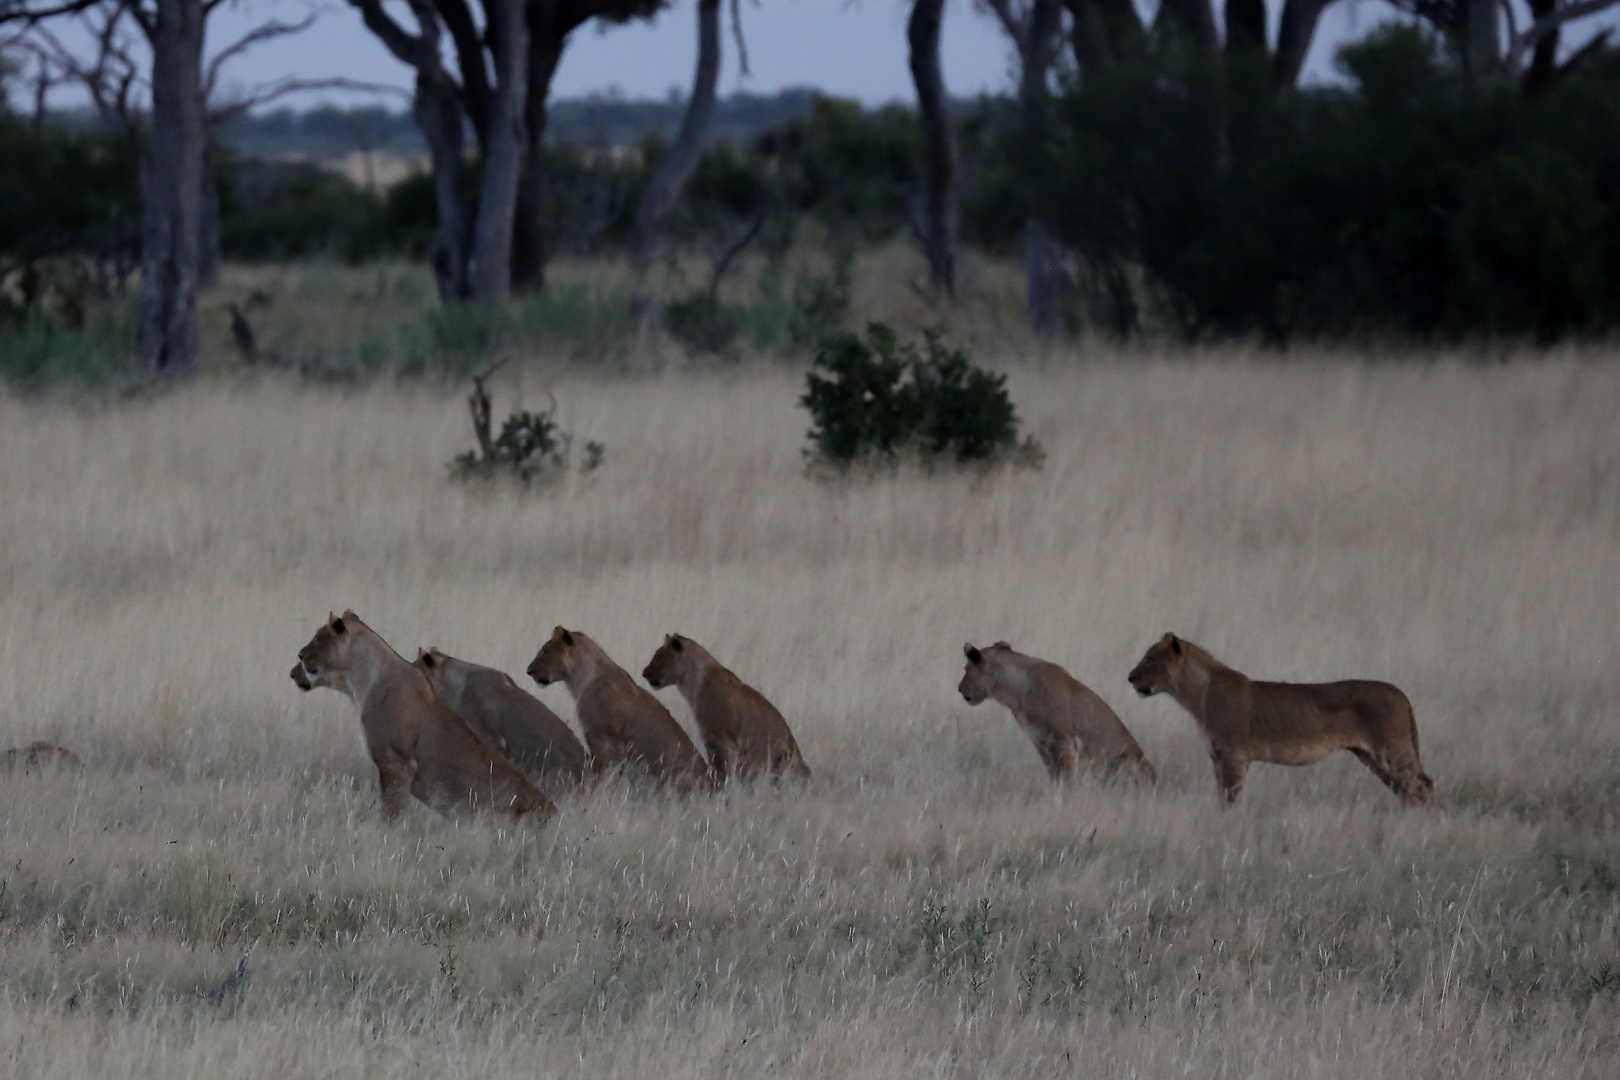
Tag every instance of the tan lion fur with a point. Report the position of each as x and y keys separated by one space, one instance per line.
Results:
x=1243 y=721
x=1068 y=723
x=419 y=745
x=624 y=724
x=744 y=733
x=515 y=722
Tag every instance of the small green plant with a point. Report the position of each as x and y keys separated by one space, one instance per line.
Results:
x=883 y=399
x=531 y=448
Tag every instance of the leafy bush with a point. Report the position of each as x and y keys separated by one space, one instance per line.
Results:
x=882 y=399
x=531 y=448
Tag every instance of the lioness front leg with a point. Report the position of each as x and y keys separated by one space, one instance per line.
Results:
x=1231 y=769
x=395 y=777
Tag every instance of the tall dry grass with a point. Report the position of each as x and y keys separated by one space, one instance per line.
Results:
x=929 y=905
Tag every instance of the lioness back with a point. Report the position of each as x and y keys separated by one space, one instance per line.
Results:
x=515 y=722
x=745 y=734
x=1244 y=721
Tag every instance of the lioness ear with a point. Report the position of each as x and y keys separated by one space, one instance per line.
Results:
x=674 y=642
x=1175 y=645
x=1002 y=645
x=420 y=652
x=348 y=613
x=567 y=638
x=974 y=655
x=337 y=626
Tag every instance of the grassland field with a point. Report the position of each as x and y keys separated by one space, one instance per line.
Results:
x=930 y=905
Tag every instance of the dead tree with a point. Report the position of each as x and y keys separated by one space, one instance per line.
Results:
x=1033 y=27
x=676 y=165
x=508 y=35
x=938 y=227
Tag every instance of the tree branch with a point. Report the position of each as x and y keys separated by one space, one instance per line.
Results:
x=262 y=95
x=264 y=32
x=1550 y=23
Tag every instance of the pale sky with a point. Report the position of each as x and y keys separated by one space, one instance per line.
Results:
x=852 y=48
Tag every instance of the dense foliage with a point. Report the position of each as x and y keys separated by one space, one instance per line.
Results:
x=883 y=399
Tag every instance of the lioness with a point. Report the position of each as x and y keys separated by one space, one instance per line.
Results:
x=38 y=755
x=743 y=732
x=1068 y=723
x=1286 y=723
x=623 y=724
x=515 y=722
x=420 y=746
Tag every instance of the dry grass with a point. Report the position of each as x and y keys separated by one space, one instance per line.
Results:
x=929 y=905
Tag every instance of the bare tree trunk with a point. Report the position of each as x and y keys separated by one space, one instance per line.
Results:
x=1295 y=32
x=492 y=245
x=1482 y=41
x=939 y=152
x=1245 y=26
x=1104 y=33
x=208 y=244
x=437 y=111
x=546 y=43
x=673 y=169
x=1041 y=264
x=171 y=190
x=1543 y=67
x=1194 y=20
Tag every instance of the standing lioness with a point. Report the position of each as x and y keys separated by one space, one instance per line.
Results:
x=743 y=732
x=1068 y=723
x=515 y=722
x=1286 y=723
x=420 y=747
x=623 y=723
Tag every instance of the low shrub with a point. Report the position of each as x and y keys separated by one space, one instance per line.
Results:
x=531 y=448
x=881 y=399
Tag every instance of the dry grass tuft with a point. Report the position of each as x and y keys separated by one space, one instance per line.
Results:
x=929 y=905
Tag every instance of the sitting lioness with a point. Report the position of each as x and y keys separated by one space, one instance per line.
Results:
x=1068 y=723
x=623 y=723
x=516 y=723
x=1286 y=723
x=743 y=732
x=420 y=746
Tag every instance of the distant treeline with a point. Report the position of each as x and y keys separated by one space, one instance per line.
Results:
x=1412 y=201
x=328 y=131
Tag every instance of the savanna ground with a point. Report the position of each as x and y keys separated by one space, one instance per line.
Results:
x=929 y=905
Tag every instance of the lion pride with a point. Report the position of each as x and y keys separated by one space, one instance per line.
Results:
x=624 y=724
x=1243 y=721
x=419 y=745
x=1065 y=719
x=743 y=732
x=513 y=721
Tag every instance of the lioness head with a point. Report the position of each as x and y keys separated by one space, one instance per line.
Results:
x=327 y=652
x=975 y=684
x=555 y=658
x=664 y=669
x=1159 y=667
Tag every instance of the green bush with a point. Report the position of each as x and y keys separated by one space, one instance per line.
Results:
x=882 y=400
x=531 y=449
